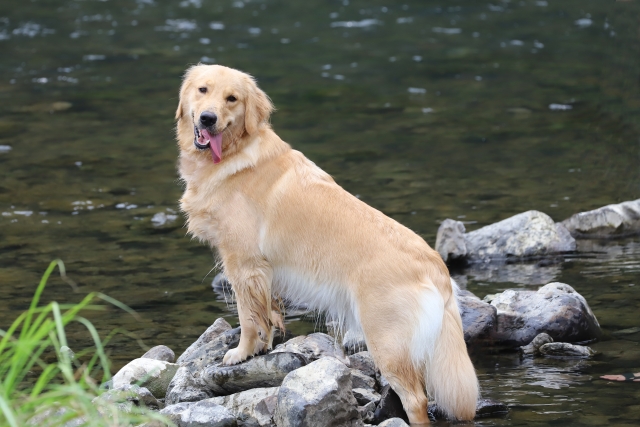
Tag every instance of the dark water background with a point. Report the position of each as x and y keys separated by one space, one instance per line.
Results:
x=427 y=110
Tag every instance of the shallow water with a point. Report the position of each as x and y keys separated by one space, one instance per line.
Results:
x=426 y=110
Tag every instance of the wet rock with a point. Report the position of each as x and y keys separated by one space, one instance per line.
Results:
x=200 y=414
x=610 y=221
x=152 y=374
x=563 y=349
x=160 y=352
x=390 y=406
x=490 y=408
x=126 y=398
x=252 y=407
x=526 y=273
x=184 y=387
x=354 y=342
x=259 y=371
x=526 y=235
x=317 y=395
x=556 y=309
x=363 y=361
x=478 y=317
x=360 y=380
x=393 y=422
x=450 y=240
x=214 y=331
x=533 y=347
x=313 y=347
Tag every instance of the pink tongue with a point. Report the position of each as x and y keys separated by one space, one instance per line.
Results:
x=216 y=145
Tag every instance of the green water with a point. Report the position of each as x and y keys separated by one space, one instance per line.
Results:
x=426 y=110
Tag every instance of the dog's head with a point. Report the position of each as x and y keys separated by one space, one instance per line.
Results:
x=219 y=107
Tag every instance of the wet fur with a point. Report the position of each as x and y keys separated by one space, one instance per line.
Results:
x=284 y=229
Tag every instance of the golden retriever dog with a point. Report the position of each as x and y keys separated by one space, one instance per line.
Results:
x=284 y=229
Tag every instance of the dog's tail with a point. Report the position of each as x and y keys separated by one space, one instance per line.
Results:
x=449 y=374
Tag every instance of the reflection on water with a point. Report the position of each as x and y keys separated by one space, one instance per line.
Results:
x=425 y=110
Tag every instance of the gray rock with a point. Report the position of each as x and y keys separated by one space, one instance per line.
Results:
x=365 y=396
x=214 y=331
x=490 y=408
x=367 y=413
x=160 y=352
x=252 y=407
x=317 y=395
x=566 y=350
x=617 y=220
x=533 y=347
x=259 y=371
x=354 y=342
x=126 y=398
x=313 y=347
x=199 y=414
x=556 y=309
x=211 y=352
x=393 y=422
x=363 y=361
x=184 y=387
x=450 y=240
x=152 y=374
x=360 y=380
x=478 y=318
x=389 y=406
x=527 y=235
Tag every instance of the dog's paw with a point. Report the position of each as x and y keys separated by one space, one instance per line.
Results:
x=234 y=356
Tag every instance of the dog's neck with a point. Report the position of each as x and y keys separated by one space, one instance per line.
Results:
x=252 y=150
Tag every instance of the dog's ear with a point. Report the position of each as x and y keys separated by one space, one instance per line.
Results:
x=258 y=108
x=183 y=92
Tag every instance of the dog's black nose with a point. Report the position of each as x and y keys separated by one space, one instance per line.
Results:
x=208 y=119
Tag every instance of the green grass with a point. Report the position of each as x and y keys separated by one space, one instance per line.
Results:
x=34 y=392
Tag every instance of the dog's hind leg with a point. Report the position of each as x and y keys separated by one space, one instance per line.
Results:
x=252 y=287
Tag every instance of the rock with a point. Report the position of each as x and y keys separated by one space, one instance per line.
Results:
x=556 y=309
x=211 y=352
x=200 y=414
x=317 y=395
x=184 y=387
x=526 y=235
x=478 y=318
x=532 y=348
x=220 y=282
x=490 y=408
x=360 y=380
x=363 y=362
x=353 y=342
x=313 y=347
x=365 y=396
x=252 y=407
x=390 y=406
x=450 y=240
x=125 y=398
x=563 y=349
x=259 y=371
x=527 y=273
x=160 y=352
x=152 y=374
x=617 y=220
x=214 y=331
x=393 y=422
x=366 y=412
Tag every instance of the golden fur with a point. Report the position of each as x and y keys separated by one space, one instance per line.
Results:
x=284 y=228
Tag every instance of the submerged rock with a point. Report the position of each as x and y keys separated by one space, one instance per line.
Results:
x=317 y=395
x=478 y=318
x=533 y=347
x=200 y=414
x=563 y=349
x=313 y=347
x=258 y=372
x=152 y=374
x=160 y=352
x=619 y=220
x=531 y=234
x=556 y=309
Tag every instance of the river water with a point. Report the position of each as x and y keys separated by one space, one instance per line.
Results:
x=427 y=110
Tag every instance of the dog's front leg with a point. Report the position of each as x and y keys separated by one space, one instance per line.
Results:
x=252 y=287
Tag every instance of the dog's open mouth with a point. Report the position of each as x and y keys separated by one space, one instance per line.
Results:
x=203 y=140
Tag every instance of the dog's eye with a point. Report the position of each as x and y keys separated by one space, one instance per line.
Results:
x=203 y=90
x=231 y=98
